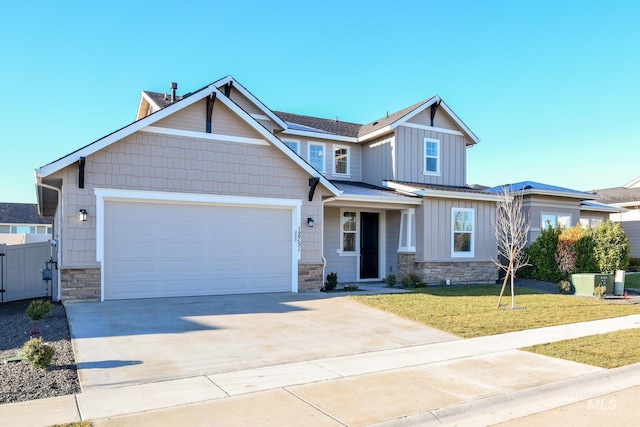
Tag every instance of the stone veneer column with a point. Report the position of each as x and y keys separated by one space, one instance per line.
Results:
x=406 y=264
x=310 y=277
x=79 y=284
x=470 y=272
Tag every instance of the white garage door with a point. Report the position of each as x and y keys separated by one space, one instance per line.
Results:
x=172 y=249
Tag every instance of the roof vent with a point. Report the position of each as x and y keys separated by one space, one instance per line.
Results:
x=174 y=87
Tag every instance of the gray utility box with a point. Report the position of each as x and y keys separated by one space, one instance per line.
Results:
x=585 y=283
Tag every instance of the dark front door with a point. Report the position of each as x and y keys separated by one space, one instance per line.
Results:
x=368 y=245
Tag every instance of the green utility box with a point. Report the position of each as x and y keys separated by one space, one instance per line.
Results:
x=585 y=283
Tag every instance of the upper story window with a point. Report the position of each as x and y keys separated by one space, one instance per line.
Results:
x=555 y=220
x=431 y=156
x=340 y=160
x=316 y=156
x=293 y=144
x=462 y=232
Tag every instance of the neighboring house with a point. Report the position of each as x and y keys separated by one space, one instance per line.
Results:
x=548 y=205
x=214 y=193
x=20 y=223
x=627 y=200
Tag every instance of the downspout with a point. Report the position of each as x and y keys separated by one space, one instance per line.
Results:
x=39 y=183
x=324 y=260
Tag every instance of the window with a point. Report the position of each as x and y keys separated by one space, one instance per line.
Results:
x=407 y=231
x=431 y=156
x=340 y=160
x=5 y=229
x=462 y=233
x=294 y=145
x=555 y=220
x=316 y=156
x=590 y=222
x=349 y=229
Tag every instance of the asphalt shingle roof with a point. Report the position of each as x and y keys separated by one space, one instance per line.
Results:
x=532 y=185
x=364 y=189
x=20 y=213
x=618 y=195
x=462 y=189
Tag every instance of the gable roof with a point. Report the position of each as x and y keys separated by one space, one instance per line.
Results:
x=20 y=213
x=363 y=132
x=532 y=187
x=184 y=102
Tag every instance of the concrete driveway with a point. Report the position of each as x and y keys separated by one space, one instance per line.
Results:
x=124 y=343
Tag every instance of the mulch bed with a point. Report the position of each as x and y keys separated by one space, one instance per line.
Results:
x=18 y=380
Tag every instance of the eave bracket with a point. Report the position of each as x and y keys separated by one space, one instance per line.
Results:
x=313 y=183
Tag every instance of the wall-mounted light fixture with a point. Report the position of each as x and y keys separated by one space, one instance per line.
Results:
x=82 y=215
x=310 y=222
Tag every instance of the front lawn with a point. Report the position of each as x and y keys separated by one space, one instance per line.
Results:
x=470 y=311
x=608 y=350
x=632 y=280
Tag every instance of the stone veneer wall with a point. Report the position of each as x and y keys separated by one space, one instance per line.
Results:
x=310 y=277
x=80 y=284
x=406 y=264
x=459 y=272
x=435 y=273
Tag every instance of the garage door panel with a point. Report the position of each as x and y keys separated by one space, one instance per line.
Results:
x=181 y=249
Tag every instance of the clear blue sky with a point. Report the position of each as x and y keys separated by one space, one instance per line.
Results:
x=550 y=87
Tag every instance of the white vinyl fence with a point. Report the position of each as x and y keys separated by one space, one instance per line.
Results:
x=21 y=271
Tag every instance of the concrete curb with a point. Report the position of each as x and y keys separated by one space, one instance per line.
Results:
x=507 y=406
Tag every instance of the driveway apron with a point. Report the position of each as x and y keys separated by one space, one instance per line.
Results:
x=131 y=342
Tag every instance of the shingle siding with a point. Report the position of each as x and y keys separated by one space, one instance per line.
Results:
x=154 y=162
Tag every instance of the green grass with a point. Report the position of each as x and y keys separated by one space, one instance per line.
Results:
x=470 y=311
x=608 y=350
x=632 y=280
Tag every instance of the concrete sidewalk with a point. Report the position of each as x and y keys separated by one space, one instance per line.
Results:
x=479 y=381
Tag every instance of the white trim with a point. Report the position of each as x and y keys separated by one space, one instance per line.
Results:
x=459 y=122
x=408 y=216
x=319 y=135
x=204 y=135
x=111 y=194
x=633 y=183
x=356 y=232
x=438 y=157
x=431 y=128
x=260 y=117
x=471 y=253
x=382 y=241
x=324 y=155
x=251 y=98
x=185 y=102
x=118 y=135
x=375 y=133
x=339 y=200
x=297 y=141
x=333 y=160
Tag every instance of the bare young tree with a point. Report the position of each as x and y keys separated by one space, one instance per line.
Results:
x=511 y=228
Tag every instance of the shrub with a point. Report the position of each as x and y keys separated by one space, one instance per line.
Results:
x=420 y=285
x=585 y=258
x=542 y=257
x=37 y=309
x=600 y=291
x=332 y=281
x=38 y=353
x=391 y=280
x=410 y=280
x=611 y=247
x=351 y=288
x=565 y=254
x=564 y=287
